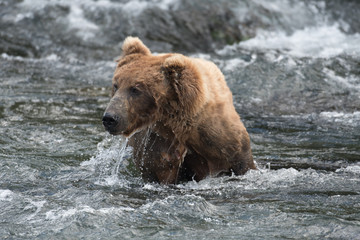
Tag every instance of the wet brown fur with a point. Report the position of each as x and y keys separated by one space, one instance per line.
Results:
x=181 y=118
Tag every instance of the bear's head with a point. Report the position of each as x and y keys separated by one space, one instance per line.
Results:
x=147 y=88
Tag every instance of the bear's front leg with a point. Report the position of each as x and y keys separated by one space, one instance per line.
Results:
x=171 y=162
x=159 y=159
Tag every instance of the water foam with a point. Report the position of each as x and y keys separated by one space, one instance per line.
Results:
x=59 y=214
x=136 y=7
x=38 y=205
x=132 y=7
x=341 y=117
x=6 y=195
x=318 y=42
x=354 y=168
x=85 y=29
x=350 y=81
x=264 y=179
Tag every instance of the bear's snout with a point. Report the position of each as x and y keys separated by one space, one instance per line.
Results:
x=109 y=121
x=112 y=123
x=115 y=119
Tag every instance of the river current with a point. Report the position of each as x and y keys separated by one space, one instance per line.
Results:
x=293 y=68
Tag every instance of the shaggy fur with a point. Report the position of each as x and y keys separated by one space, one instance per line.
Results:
x=179 y=115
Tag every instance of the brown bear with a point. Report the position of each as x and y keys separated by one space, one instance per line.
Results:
x=179 y=116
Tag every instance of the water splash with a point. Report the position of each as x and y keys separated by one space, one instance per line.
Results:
x=112 y=156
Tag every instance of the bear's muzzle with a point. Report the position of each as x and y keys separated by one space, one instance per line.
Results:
x=110 y=122
x=114 y=119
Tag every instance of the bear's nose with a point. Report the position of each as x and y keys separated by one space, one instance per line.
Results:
x=109 y=121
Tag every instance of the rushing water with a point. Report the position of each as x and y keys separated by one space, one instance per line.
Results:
x=295 y=77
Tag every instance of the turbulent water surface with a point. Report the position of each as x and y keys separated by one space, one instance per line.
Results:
x=294 y=70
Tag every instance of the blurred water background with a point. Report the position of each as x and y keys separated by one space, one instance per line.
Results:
x=293 y=67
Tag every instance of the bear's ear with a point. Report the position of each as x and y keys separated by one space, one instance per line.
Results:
x=185 y=82
x=133 y=45
x=173 y=67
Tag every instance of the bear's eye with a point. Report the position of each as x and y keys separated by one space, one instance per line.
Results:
x=115 y=87
x=134 y=91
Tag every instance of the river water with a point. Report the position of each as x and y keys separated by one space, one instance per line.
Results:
x=293 y=67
